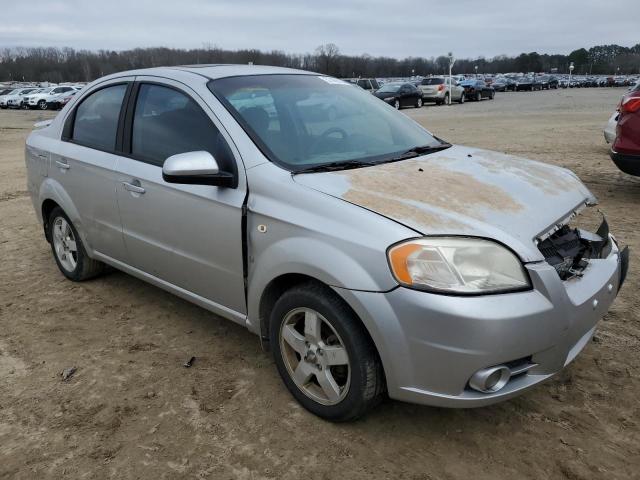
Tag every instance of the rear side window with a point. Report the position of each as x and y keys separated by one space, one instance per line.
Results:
x=167 y=122
x=432 y=81
x=96 y=119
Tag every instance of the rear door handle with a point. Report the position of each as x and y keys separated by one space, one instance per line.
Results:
x=133 y=188
x=63 y=165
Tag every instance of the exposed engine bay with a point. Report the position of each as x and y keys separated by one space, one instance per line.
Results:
x=569 y=248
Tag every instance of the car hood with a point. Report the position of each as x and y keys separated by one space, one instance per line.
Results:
x=463 y=191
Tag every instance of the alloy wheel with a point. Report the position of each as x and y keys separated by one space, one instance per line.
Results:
x=315 y=356
x=64 y=243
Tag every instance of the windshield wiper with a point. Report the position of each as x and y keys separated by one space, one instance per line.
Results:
x=417 y=151
x=339 y=165
x=347 y=164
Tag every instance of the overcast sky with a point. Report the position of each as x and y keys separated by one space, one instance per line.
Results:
x=397 y=28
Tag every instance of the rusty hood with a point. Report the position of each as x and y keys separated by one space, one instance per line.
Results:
x=463 y=191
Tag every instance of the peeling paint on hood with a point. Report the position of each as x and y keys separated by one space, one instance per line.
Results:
x=463 y=191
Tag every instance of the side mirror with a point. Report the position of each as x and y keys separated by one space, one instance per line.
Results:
x=196 y=168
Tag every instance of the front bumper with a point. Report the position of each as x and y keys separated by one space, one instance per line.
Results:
x=430 y=345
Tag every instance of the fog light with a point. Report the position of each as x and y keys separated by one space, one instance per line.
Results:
x=490 y=380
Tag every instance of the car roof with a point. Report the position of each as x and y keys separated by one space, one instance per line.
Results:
x=212 y=71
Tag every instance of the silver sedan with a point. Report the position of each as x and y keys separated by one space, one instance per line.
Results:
x=369 y=256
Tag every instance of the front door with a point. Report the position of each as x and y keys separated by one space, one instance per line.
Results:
x=187 y=235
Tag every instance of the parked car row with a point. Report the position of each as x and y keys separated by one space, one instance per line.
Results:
x=583 y=81
x=54 y=97
x=437 y=90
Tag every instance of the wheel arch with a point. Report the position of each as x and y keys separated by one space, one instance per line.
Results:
x=279 y=285
x=52 y=195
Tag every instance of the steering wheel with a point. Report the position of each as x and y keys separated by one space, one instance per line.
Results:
x=326 y=134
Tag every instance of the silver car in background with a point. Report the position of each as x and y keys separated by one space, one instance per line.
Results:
x=438 y=90
x=367 y=254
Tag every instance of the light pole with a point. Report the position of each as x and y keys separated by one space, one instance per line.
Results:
x=476 y=69
x=571 y=67
x=451 y=62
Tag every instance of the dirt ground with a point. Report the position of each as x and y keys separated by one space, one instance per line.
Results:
x=133 y=411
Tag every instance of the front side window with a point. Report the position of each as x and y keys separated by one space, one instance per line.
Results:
x=96 y=118
x=167 y=122
x=301 y=121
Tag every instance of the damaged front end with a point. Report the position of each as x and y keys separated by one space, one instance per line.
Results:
x=569 y=249
x=570 y=245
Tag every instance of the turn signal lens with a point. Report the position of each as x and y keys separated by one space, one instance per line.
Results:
x=457 y=265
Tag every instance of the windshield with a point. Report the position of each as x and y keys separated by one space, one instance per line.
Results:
x=301 y=121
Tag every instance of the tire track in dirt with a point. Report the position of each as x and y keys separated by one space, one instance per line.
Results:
x=5 y=197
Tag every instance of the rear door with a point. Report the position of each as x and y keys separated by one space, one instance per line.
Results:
x=84 y=164
x=187 y=235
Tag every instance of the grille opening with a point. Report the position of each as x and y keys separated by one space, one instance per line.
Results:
x=570 y=248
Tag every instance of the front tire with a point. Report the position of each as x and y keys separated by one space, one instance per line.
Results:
x=42 y=104
x=396 y=104
x=324 y=355
x=419 y=103
x=68 y=250
x=461 y=101
x=478 y=96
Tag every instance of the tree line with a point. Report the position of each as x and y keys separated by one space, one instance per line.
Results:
x=70 y=65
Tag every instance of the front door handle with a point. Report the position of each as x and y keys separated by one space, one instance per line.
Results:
x=63 y=165
x=132 y=187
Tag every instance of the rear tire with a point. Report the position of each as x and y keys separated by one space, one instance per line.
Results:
x=396 y=104
x=308 y=327
x=478 y=96
x=419 y=103
x=68 y=250
x=461 y=101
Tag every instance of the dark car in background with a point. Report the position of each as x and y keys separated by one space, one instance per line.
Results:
x=528 y=83
x=477 y=90
x=524 y=83
x=400 y=94
x=59 y=101
x=547 y=82
x=625 y=151
x=499 y=85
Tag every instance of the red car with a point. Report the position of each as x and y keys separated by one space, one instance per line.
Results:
x=625 y=151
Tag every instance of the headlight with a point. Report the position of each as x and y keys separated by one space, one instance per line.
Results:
x=388 y=99
x=457 y=265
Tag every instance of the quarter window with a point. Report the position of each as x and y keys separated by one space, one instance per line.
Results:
x=96 y=119
x=167 y=122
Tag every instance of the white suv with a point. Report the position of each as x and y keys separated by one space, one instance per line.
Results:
x=40 y=99
x=14 y=100
x=4 y=99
